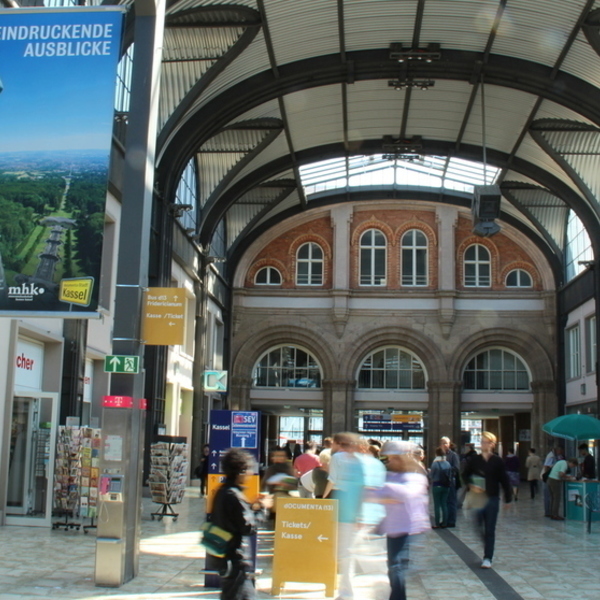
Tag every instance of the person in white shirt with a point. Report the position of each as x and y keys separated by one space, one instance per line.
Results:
x=556 y=454
x=558 y=473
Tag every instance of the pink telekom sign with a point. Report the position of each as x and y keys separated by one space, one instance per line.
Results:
x=124 y=402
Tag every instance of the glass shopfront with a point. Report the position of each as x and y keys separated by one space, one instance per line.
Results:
x=31 y=459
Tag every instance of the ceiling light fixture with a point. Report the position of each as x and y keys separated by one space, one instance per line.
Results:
x=405 y=157
x=408 y=149
x=177 y=209
x=428 y=54
x=408 y=82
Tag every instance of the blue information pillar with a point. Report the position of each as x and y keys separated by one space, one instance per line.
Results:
x=230 y=429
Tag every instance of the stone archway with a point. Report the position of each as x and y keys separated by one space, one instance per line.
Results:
x=246 y=355
x=537 y=358
x=418 y=343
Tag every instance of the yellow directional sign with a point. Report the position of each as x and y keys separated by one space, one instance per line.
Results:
x=76 y=291
x=305 y=543
x=214 y=482
x=406 y=418
x=163 y=320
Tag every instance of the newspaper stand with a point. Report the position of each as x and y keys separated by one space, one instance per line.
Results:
x=168 y=474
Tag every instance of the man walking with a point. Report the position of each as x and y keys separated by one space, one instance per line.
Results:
x=454 y=462
x=485 y=474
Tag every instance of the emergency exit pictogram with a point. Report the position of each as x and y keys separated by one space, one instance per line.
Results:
x=122 y=364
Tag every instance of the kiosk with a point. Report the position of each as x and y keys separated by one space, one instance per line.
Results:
x=575 y=505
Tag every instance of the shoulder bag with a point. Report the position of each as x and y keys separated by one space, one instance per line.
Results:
x=215 y=539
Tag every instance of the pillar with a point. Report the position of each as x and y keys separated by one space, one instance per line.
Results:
x=447 y=218
x=545 y=408
x=507 y=432
x=341 y=217
x=443 y=413
x=239 y=393
x=337 y=406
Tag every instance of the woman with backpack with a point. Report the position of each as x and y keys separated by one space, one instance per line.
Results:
x=440 y=475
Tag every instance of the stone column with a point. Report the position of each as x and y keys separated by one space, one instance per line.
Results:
x=337 y=406
x=447 y=218
x=545 y=408
x=341 y=217
x=443 y=416
x=239 y=393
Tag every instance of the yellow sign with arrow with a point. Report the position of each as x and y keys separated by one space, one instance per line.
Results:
x=305 y=543
x=163 y=321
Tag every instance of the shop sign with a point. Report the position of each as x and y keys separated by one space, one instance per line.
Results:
x=124 y=402
x=58 y=70
x=215 y=381
x=29 y=365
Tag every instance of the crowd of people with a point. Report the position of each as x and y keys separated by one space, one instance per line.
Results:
x=383 y=488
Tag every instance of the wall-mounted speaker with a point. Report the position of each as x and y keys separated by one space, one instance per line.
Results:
x=486 y=202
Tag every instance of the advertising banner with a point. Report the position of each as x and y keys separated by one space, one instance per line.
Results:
x=57 y=86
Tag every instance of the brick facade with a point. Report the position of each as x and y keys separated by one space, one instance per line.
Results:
x=281 y=253
x=443 y=327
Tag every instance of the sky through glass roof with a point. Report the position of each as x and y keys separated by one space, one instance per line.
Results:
x=375 y=170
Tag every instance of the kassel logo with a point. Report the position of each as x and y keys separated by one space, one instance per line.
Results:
x=25 y=291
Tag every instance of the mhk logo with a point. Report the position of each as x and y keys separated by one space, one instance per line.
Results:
x=25 y=291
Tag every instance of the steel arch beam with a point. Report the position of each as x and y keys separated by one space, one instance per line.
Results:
x=204 y=121
x=430 y=147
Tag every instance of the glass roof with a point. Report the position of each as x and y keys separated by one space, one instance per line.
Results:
x=374 y=170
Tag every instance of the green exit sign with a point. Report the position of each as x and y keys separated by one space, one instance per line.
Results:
x=122 y=364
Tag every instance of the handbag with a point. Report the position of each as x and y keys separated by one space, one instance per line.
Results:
x=215 y=539
x=545 y=476
x=476 y=497
x=476 y=500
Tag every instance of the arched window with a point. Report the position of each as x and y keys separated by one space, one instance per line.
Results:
x=414 y=258
x=268 y=276
x=518 y=278
x=372 y=258
x=477 y=266
x=496 y=369
x=309 y=264
x=391 y=368
x=287 y=367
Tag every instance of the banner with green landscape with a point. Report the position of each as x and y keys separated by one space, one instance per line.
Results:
x=57 y=85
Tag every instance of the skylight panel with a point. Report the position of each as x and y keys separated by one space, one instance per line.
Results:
x=375 y=170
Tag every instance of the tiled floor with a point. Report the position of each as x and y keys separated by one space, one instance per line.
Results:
x=539 y=558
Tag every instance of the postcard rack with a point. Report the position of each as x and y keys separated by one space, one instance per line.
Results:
x=168 y=474
x=76 y=476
